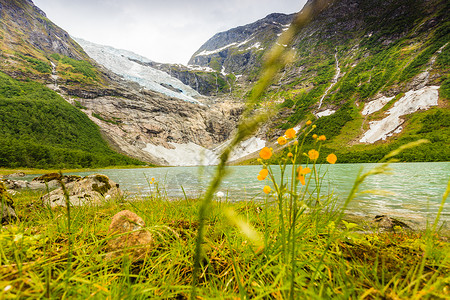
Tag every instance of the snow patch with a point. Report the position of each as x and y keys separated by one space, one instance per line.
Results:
x=206 y=52
x=325 y=113
x=200 y=68
x=189 y=154
x=410 y=103
x=247 y=147
x=257 y=46
x=223 y=71
x=375 y=105
x=234 y=45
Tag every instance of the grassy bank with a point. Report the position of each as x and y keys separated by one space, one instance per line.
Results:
x=41 y=258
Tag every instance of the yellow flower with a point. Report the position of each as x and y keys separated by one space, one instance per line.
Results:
x=331 y=158
x=313 y=154
x=301 y=172
x=308 y=122
x=314 y=126
x=281 y=140
x=290 y=133
x=267 y=189
x=301 y=178
x=290 y=155
x=265 y=153
x=322 y=138
x=314 y=136
x=263 y=174
x=295 y=143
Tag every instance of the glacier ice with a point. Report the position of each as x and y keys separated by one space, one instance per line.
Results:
x=134 y=67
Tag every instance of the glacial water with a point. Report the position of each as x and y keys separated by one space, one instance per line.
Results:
x=412 y=190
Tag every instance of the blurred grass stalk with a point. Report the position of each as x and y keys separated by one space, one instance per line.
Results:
x=277 y=58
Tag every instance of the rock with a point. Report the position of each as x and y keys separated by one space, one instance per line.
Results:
x=386 y=223
x=92 y=189
x=133 y=238
x=47 y=181
x=6 y=205
x=18 y=174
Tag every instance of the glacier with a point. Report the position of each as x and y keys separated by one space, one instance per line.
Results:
x=134 y=67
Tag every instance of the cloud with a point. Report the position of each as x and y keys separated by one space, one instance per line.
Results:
x=164 y=31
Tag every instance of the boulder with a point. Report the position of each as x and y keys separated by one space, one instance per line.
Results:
x=92 y=189
x=6 y=205
x=131 y=236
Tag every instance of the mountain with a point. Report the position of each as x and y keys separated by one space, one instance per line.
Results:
x=373 y=75
x=239 y=50
x=61 y=108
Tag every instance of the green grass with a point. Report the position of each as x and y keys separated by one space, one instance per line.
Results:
x=332 y=258
x=39 y=129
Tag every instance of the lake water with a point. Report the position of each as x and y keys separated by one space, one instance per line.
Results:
x=415 y=189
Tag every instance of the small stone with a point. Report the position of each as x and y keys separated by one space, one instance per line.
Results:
x=133 y=238
x=387 y=223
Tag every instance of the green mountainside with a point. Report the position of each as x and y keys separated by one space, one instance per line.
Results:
x=354 y=52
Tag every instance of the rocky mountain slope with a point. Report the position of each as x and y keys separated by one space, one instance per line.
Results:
x=135 y=121
x=239 y=50
x=372 y=74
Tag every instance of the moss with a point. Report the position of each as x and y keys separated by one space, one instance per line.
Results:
x=4 y=195
x=48 y=177
x=104 y=188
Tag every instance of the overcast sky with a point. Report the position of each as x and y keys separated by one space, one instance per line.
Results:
x=167 y=31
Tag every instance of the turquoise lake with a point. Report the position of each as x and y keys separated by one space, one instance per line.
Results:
x=415 y=189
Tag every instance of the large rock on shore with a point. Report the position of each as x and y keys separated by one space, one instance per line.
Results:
x=92 y=189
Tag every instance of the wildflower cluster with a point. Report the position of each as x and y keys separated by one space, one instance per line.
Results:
x=294 y=157
x=291 y=190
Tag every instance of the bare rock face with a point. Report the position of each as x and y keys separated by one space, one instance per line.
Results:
x=129 y=123
x=133 y=238
x=92 y=189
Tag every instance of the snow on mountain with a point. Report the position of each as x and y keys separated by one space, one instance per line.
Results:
x=134 y=67
x=191 y=154
x=413 y=101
